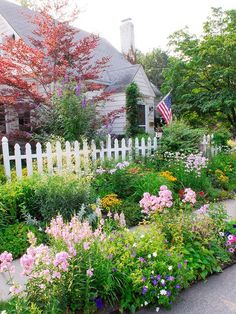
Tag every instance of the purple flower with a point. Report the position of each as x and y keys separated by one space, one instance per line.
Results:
x=114 y=269
x=158 y=277
x=110 y=256
x=168 y=293
x=144 y=278
x=154 y=282
x=59 y=92
x=142 y=260
x=78 y=89
x=168 y=254
x=144 y=290
x=185 y=262
x=231 y=250
x=133 y=254
x=99 y=303
x=179 y=265
x=177 y=286
x=83 y=103
x=170 y=278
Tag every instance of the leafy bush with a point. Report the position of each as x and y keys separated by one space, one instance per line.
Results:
x=14 y=238
x=180 y=137
x=43 y=197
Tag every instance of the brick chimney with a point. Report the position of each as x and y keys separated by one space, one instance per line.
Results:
x=127 y=40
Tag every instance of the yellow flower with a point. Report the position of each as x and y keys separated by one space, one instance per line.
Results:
x=168 y=175
x=109 y=201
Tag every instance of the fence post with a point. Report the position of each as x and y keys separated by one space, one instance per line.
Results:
x=77 y=158
x=6 y=160
x=130 y=146
x=123 y=149
x=49 y=157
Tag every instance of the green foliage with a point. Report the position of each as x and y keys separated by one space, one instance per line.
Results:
x=221 y=136
x=14 y=239
x=202 y=75
x=154 y=63
x=43 y=197
x=180 y=137
x=72 y=117
x=132 y=212
x=132 y=99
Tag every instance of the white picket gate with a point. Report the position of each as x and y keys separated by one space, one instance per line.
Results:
x=73 y=157
x=207 y=146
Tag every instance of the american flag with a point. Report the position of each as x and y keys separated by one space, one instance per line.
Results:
x=164 y=107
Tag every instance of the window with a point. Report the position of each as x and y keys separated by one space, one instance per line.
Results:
x=142 y=116
x=24 y=121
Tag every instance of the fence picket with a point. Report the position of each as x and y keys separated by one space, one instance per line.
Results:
x=109 y=147
x=136 y=144
x=123 y=149
x=29 y=162
x=85 y=155
x=49 y=158
x=143 y=147
x=102 y=151
x=68 y=157
x=116 y=149
x=130 y=147
x=59 y=157
x=93 y=151
x=39 y=158
x=77 y=158
x=149 y=146
x=6 y=160
x=18 y=161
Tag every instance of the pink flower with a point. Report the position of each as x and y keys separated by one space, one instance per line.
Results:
x=27 y=263
x=86 y=246
x=61 y=261
x=189 y=196
x=90 y=272
x=56 y=274
x=6 y=262
x=15 y=289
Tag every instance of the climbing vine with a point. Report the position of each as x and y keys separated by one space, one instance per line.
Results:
x=132 y=98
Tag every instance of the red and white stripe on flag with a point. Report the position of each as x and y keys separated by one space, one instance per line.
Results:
x=164 y=107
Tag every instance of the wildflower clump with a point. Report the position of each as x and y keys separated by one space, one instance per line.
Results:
x=110 y=201
x=152 y=203
x=168 y=175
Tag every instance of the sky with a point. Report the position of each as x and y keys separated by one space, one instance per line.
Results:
x=154 y=20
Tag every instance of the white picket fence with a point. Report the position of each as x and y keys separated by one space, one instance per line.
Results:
x=72 y=157
x=208 y=148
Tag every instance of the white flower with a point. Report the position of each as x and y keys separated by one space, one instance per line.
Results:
x=163 y=292
x=162 y=281
x=145 y=303
x=141 y=305
x=152 y=272
x=149 y=255
x=157 y=309
x=134 y=245
x=3 y=312
x=154 y=254
x=230 y=237
x=170 y=267
x=142 y=236
x=221 y=234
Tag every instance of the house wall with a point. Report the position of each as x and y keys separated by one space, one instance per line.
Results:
x=6 y=29
x=117 y=101
x=148 y=98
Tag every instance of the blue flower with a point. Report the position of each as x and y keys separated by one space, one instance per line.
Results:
x=144 y=290
x=99 y=303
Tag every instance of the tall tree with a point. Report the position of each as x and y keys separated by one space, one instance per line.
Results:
x=202 y=73
x=30 y=71
x=154 y=63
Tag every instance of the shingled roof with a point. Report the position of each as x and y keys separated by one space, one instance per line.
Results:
x=119 y=73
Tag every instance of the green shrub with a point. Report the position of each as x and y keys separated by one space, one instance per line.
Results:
x=14 y=238
x=180 y=137
x=132 y=213
x=43 y=197
x=221 y=137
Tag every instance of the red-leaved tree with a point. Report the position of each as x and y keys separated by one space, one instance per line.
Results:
x=30 y=70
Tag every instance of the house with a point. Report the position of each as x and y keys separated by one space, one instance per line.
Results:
x=118 y=75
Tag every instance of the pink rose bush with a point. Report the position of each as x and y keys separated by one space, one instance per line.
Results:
x=152 y=203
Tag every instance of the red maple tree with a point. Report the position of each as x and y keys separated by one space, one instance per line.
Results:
x=30 y=70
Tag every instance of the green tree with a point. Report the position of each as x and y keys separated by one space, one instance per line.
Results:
x=203 y=72
x=154 y=63
x=132 y=99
